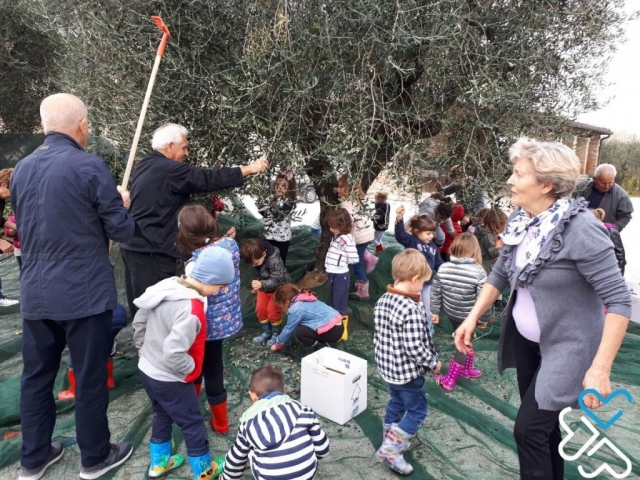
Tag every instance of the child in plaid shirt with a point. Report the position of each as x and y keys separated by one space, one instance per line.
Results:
x=404 y=354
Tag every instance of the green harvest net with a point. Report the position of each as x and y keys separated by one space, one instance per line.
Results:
x=467 y=434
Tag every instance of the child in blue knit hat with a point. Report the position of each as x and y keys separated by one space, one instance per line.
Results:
x=171 y=352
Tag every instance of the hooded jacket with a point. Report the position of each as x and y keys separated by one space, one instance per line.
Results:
x=488 y=247
x=280 y=438
x=305 y=309
x=456 y=287
x=169 y=330
x=272 y=273
x=456 y=216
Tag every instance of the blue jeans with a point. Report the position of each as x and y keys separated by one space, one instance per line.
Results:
x=425 y=294
x=358 y=268
x=176 y=402
x=338 y=284
x=407 y=405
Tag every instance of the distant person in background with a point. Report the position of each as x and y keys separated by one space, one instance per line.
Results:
x=380 y=220
x=615 y=237
x=603 y=192
x=6 y=247
x=277 y=213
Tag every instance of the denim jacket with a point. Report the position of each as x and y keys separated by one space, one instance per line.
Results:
x=307 y=310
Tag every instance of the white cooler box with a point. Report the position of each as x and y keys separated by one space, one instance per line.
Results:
x=635 y=301
x=334 y=384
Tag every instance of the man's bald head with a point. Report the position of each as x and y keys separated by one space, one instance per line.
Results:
x=65 y=113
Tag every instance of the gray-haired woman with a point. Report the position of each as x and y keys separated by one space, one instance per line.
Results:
x=562 y=270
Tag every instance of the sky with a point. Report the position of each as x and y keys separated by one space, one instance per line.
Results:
x=622 y=114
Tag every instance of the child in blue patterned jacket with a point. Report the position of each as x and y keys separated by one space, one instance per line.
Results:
x=313 y=322
x=277 y=436
x=197 y=232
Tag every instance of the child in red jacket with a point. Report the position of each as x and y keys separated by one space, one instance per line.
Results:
x=170 y=332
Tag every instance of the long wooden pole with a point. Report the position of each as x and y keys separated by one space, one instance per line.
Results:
x=134 y=146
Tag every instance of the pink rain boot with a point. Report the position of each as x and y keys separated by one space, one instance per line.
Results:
x=469 y=371
x=362 y=291
x=448 y=381
x=371 y=261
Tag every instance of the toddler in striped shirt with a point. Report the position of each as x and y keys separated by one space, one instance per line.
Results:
x=277 y=436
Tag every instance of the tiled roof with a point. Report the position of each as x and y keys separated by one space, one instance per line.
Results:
x=593 y=128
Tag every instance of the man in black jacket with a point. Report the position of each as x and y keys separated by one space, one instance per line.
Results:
x=162 y=184
x=67 y=208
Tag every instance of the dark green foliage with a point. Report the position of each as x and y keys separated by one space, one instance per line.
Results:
x=331 y=87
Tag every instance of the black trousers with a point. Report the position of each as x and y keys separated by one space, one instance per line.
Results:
x=213 y=372
x=42 y=344
x=308 y=336
x=536 y=431
x=142 y=270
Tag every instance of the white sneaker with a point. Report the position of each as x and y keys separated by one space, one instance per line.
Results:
x=7 y=302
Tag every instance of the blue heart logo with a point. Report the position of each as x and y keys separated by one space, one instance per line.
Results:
x=603 y=401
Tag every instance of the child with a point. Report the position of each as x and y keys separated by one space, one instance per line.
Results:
x=404 y=354
x=5 y=247
x=342 y=253
x=381 y=220
x=171 y=351
x=12 y=233
x=488 y=235
x=439 y=208
x=277 y=218
x=312 y=321
x=279 y=437
x=455 y=290
x=217 y=205
x=456 y=215
x=363 y=234
x=614 y=235
x=272 y=273
x=476 y=220
x=198 y=232
x=420 y=237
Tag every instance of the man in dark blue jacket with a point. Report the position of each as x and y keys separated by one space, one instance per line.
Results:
x=162 y=184
x=67 y=208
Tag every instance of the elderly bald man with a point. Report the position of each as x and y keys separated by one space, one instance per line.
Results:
x=162 y=184
x=67 y=208
x=603 y=192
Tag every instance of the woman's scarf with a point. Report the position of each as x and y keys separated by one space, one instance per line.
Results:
x=540 y=226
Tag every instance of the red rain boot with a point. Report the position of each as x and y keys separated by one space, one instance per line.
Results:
x=71 y=393
x=448 y=381
x=111 y=383
x=371 y=261
x=198 y=388
x=468 y=371
x=220 y=418
x=379 y=248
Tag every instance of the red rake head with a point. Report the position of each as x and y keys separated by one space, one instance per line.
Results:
x=161 y=25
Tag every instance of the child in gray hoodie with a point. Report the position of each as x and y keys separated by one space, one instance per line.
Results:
x=171 y=352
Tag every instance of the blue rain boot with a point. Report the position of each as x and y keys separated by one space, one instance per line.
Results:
x=266 y=333
x=275 y=331
x=204 y=469
x=162 y=462
x=390 y=452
